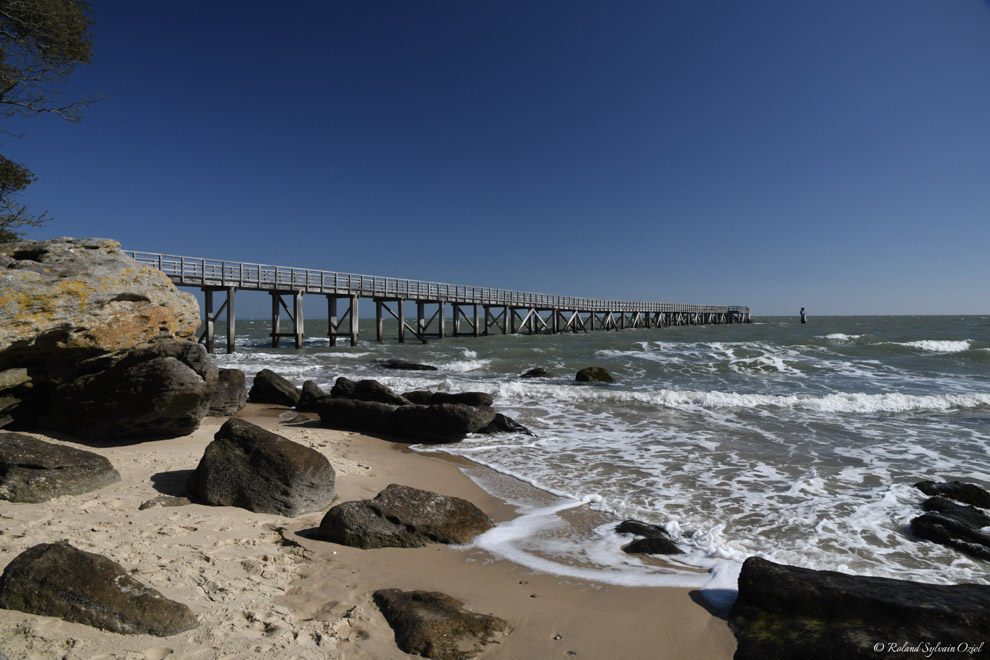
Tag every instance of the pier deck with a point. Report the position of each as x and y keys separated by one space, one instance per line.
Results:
x=504 y=311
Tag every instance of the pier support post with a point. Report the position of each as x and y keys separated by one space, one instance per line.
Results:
x=297 y=317
x=477 y=330
x=379 y=324
x=210 y=317
x=354 y=320
x=332 y=321
x=402 y=321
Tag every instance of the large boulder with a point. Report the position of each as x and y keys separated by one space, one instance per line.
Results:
x=426 y=398
x=790 y=612
x=403 y=517
x=366 y=390
x=230 y=394
x=440 y=423
x=66 y=301
x=434 y=625
x=160 y=389
x=311 y=393
x=356 y=415
x=32 y=470
x=537 y=372
x=269 y=387
x=249 y=467
x=58 y=580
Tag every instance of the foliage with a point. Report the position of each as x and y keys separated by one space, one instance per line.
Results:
x=41 y=42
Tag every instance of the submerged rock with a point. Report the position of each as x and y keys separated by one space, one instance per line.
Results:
x=790 y=612
x=403 y=517
x=957 y=490
x=505 y=424
x=594 y=375
x=434 y=625
x=537 y=372
x=407 y=366
x=32 y=470
x=249 y=467
x=654 y=541
x=58 y=580
x=954 y=525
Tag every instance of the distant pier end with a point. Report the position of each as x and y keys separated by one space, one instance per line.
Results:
x=475 y=311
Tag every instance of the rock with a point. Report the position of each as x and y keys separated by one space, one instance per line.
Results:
x=790 y=612
x=407 y=366
x=64 y=302
x=230 y=394
x=160 y=389
x=354 y=415
x=957 y=490
x=425 y=398
x=440 y=423
x=366 y=390
x=434 y=625
x=15 y=384
x=311 y=392
x=504 y=424
x=269 y=387
x=403 y=517
x=33 y=470
x=594 y=375
x=58 y=580
x=165 y=501
x=537 y=372
x=655 y=539
x=249 y=467
x=954 y=525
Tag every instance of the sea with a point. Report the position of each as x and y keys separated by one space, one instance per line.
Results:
x=798 y=443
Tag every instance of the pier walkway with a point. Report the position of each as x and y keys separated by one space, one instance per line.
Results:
x=501 y=311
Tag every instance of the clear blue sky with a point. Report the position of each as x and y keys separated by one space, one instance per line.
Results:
x=778 y=154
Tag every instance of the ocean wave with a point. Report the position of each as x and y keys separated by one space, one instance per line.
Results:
x=855 y=402
x=938 y=345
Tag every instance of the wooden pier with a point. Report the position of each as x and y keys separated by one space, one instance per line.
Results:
x=475 y=311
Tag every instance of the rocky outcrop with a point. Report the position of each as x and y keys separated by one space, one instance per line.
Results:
x=58 y=580
x=32 y=470
x=160 y=389
x=537 y=372
x=69 y=308
x=440 y=423
x=269 y=387
x=594 y=375
x=653 y=540
x=790 y=612
x=248 y=467
x=403 y=517
x=958 y=491
x=426 y=398
x=402 y=365
x=434 y=625
x=505 y=424
x=230 y=394
x=366 y=390
x=954 y=525
x=354 y=415
x=311 y=393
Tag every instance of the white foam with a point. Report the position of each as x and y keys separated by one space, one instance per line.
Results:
x=938 y=345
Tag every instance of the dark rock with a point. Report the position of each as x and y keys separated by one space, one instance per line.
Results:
x=441 y=423
x=419 y=397
x=537 y=372
x=434 y=625
x=311 y=393
x=269 y=387
x=249 y=467
x=160 y=389
x=425 y=398
x=655 y=539
x=230 y=394
x=33 y=470
x=366 y=390
x=954 y=525
x=355 y=415
x=504 y=424
x=56 y=579
x=403 y=517
x=15 y=386
x=790 y=612
x=594 y=375
x=407 y=366
x=957 y=490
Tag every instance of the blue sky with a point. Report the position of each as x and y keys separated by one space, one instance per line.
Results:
x=777 y=154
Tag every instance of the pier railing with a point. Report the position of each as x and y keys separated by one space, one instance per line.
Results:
x=201 y=272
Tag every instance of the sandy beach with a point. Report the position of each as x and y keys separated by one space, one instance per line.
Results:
x=261 y=586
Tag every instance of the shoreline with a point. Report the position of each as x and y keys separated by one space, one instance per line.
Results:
x=262 y=587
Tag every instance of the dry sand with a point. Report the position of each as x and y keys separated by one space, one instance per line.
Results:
x=263 y=588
